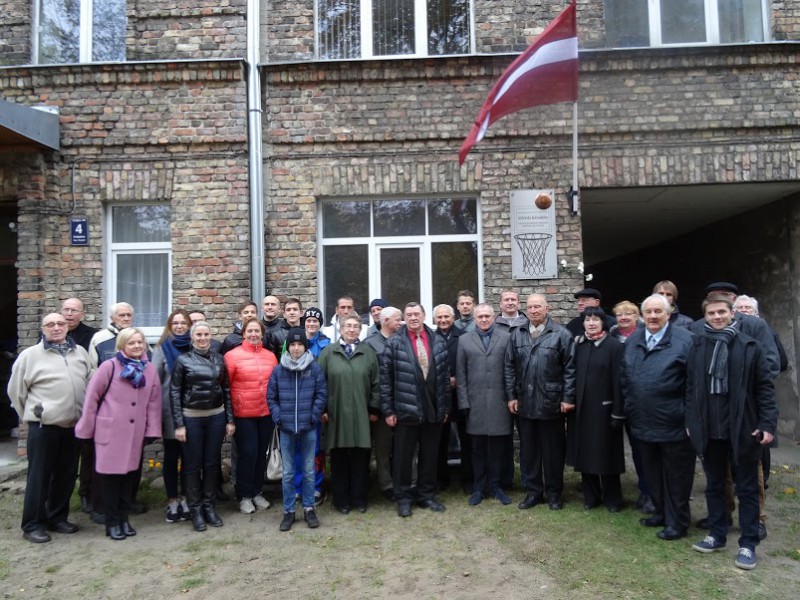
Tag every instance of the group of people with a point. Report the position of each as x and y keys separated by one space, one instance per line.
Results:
x=680 y=388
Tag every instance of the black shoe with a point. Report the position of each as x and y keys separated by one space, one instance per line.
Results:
x=63 y=527
x=211 y=516
x=287 y=521
x=649 y=508
x=670 y=533
x=137 y=508
x=361 y=509
x=642 y=500
x=555 y=504
x=86 y=505
x=311 y=519
x=345 y=510
x=97 y=517
x=762 y=532
x=475 y=499
x=530 y=501
x=127 y=529
x=432 y=504
x=115 y=532
x=198 y=522
x=404 y=509
x=500 y=495
x=37 y=536
x=653 y=521
x=591 y=505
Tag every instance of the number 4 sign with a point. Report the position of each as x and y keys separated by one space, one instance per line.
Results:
x=79 y=231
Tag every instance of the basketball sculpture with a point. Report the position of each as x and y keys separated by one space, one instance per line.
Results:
x=543 y=201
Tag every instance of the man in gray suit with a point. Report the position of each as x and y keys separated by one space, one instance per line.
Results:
x=481 y=395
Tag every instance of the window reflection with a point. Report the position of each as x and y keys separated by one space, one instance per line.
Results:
x=345 y=219
x=142 y=223
x=452 y=217
x=346 y=271
x=399 y=217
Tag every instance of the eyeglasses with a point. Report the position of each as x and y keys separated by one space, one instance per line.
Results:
x=54 y=324
x=174 y=323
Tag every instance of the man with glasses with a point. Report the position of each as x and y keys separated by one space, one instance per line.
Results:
x=73 y=311
x=47 y=387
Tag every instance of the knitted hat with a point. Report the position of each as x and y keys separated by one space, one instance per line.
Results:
x=378 y=302
x=312 y=312
x=297 y=334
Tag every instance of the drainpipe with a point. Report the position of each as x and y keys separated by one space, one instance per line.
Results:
x=255 y=168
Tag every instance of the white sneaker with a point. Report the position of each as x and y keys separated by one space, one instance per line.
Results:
x=246 y=506
x=261 y=502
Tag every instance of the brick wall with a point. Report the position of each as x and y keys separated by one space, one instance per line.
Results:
x=15 y=32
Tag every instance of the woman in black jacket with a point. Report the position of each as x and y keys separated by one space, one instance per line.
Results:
x=201 y=408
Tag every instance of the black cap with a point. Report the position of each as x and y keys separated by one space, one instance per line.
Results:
x=297 y=334
x=722 y=286
x=379 y=302
x=312 y=312
x=588 y=293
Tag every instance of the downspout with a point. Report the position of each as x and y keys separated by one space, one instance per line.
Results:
x=254 y=140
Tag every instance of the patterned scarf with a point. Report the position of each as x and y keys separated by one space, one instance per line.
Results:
x=718 y=369
x=132 y=369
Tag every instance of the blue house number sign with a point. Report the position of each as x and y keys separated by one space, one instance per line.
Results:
x=79 y=231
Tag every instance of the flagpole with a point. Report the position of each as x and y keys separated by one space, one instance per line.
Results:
x=573 y=192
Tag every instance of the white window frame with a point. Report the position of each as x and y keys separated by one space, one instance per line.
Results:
x=423 y=241
x=711 y=8
x=116 y=249
x=420 y=31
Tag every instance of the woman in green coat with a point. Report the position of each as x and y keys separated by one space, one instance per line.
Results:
x=352 y=374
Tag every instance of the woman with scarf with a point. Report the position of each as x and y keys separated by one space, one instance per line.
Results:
x=731 y=414
x=175 y=340
x=122 y=409
x=596 y=437
x=201 y=408
x=297 y=396
x=249 y=367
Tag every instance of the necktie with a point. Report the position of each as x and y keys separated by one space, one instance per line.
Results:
x=422 y=356
x=651 y=342
x=348 y=350
x=485 y=340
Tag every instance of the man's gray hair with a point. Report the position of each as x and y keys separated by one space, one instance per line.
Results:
x=661 y=299
x=485 y=305
x=389 y=312
x=115 y=308
x=447 y=307
x=750 y=299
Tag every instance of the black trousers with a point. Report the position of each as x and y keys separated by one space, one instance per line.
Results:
x=487 y=461
x=406 y=439
x=118 y=495
x=542 y=452
x=601 y=488
x=669 y=469
x=52 y=470
x=349 y=476
x=86 y=472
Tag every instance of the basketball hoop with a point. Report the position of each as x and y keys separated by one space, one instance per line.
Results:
x=534 y=250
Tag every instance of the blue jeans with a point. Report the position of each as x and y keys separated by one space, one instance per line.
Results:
x=252 y=441
x=202 y=455
x=307 y=442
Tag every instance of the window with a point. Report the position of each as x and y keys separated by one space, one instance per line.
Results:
x=402 y=250
x=632 y=23
x=383 y=28
x=71 y=31
x=140 y=261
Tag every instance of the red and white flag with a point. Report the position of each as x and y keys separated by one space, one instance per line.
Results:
x=546 y=73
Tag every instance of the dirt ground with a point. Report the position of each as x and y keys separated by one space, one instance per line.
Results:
x=483 y=552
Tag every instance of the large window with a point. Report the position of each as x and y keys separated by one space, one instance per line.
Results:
x=72 y=31
x=632 y=23
x=140 y=261
x=372 y=28
x=402 y=250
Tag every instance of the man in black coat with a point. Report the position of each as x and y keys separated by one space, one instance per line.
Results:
x=415 y=401
x=586 y=298
x=731 y=415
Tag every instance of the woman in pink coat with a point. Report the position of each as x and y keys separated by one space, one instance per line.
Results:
x=122 y=409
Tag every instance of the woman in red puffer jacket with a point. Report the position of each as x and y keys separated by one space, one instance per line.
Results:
x=249 y=368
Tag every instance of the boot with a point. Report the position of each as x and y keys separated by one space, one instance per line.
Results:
x=198 y=522
x=210 y=480
x=115 y=532
x=194 y=498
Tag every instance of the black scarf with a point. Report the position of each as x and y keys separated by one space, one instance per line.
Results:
x=718 y=369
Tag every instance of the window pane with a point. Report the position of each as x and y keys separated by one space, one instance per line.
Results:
x=339 y=25
x=59 y=31
x=454 y=267
x=399 y=217
x=345 y=219
x=400 y=276
x=448 y=27
x=452 y=217
x=740 y=21
x=143 y=281
x=683 y=21
x=346 y=271
x=392 y=27
x=627 y=23
x=147 y=223
x=108 y=30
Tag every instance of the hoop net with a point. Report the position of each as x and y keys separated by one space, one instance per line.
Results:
x=533 y=247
